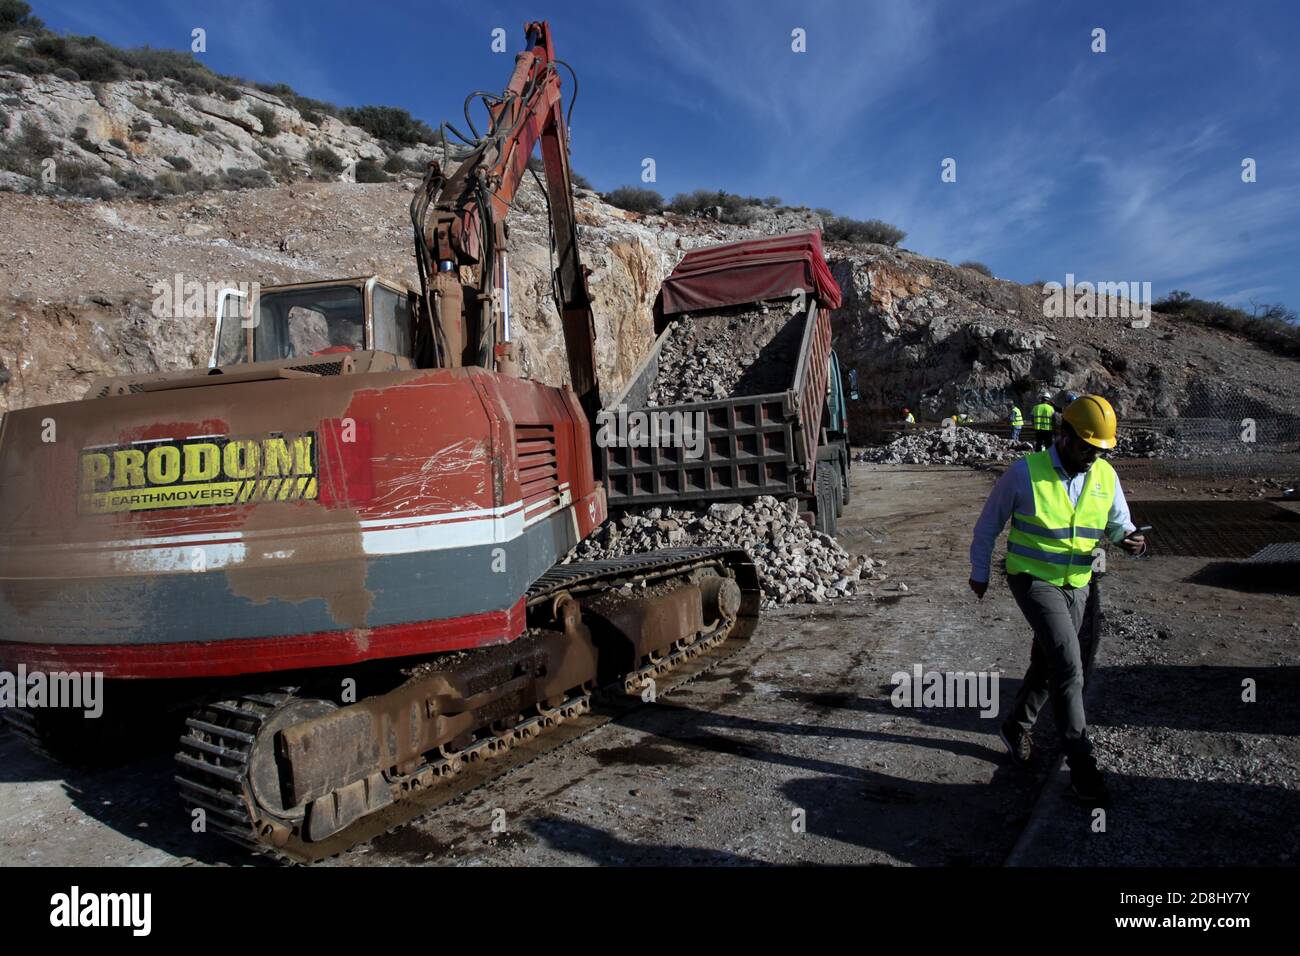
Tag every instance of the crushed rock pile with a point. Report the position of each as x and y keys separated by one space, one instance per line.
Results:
x=945 y=446
x=796 y=565
x=1144 y=444
x=726 y=354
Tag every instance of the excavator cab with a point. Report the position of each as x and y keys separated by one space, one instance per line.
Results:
x=311 y=319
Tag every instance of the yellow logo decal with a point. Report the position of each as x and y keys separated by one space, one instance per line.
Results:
x=194 y=472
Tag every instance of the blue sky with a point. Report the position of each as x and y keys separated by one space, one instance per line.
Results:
x=1115 y=166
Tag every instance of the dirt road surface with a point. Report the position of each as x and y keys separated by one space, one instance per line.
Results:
x=790 y=751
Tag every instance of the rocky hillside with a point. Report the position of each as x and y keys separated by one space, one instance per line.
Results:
x=939 y=338
x=78 y=272
x=147 y=137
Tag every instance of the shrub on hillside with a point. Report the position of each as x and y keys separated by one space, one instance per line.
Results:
x=133 y=183
x=635 y=199
x=580 y=181
x=27 y=151
x=725 y=206
x=81 y=179
x=266 y=116
x=369 y=171
x=974 y=266
x=179 y=163
x=16 y=15
x=389 y=123
x=237 y=178
x=169 y=117
x=325 y=161
x=34 y=140
x=395 y=164
x=861 y=231
x=1271 y=324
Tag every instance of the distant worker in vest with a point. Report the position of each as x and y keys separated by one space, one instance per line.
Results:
x=1061 y=501
x=908 y=417
x=1042 y=415
x=1017 y=422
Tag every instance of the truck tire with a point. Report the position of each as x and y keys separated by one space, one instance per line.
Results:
x=825 y=492
x=839 y=489
x=844 y=474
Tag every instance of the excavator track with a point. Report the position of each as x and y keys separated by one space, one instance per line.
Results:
x=215 y=764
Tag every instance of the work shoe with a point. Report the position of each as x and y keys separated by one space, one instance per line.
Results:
x=1019 y=743
x=1087 y=785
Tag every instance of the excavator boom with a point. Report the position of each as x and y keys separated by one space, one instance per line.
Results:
x=461 y=238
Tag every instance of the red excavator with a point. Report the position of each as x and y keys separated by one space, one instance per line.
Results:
x=335 y=553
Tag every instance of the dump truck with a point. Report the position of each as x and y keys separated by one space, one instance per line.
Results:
x=334 y=557
x=787 y=437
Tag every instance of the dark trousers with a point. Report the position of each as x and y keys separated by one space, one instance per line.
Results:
x=1056 y=660
x=1042 y=438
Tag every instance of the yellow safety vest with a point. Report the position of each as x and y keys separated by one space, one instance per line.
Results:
x=1043 y=416
x=1055 y=543
x=1016 y=418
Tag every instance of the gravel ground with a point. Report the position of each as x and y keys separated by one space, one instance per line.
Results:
x=800 y=719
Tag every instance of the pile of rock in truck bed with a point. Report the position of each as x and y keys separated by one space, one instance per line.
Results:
x=795 y=563
x=945 y=446
x=727 y=354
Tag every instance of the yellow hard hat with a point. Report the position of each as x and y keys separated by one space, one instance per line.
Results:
x=1093 y=420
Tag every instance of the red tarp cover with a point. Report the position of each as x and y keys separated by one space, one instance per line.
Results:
x=749 y=271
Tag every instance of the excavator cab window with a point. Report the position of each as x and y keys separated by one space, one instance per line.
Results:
x=391 y=315
x=298 y=323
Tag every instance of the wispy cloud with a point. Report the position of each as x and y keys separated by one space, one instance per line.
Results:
x=743 y=57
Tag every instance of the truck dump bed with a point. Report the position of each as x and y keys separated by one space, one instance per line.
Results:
x=752 y=444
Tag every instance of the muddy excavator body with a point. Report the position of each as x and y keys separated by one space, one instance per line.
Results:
x=334 y=555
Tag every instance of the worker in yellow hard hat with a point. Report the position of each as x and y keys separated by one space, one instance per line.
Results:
x=1061 y=501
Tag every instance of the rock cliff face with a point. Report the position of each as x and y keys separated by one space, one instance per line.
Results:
x=941 y=339
x=157 y=128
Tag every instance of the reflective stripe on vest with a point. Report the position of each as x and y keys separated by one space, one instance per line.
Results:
x=1043 y=416
x=1016 y=417
x=1056 y=542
